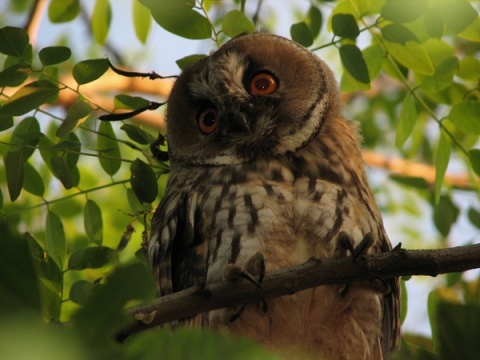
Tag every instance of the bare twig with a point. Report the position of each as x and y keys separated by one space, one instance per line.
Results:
x=314 y=272
x=34 y=19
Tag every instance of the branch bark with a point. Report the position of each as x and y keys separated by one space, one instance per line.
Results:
x=315 y=272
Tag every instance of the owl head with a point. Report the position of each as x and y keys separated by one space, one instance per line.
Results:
x=259 y=95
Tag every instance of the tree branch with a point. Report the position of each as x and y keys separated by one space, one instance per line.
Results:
x=315 y=272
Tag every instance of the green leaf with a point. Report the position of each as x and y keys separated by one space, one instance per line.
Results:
x=300 y=33
x=33 y=182
x=465 y=116
x=53 y=55
x=469 y=68
x=80 y=292
x=474 y=157
x=235 y=23
x=76 y=116
x=445 y=214
x=404 y=301
x=30 y=97
x=353 y=62
x=458 y=327
x=142 y=21
x=63 y=10
x=61 y=171
x=103 y=314
x=443 y=77
x=123 y=101
x=143 y=181
x=108 y=146
x=412 y=55
x=135 y=205
x=179 y=18
x=101 y=18
x=15 y=75
x=374 y=57
x=397 y=33
x=457 y=14
x=14 y=41
x=403 y=11
x=442 y=158
x=411 y=181
x=55 y=242
x=92 y=220
x=90 y=258
x=433 y=24
x=6 y=122
x=186 y=61
x=26 y=134
x=89 y=70
x=471 y=32
x=474 y=216
x=15 y=171
x=432 y=306
x=314 y=20
x=136 y=134
x=406 y=120
x=345 y=26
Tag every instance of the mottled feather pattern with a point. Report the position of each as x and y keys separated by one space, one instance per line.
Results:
x=230 y=196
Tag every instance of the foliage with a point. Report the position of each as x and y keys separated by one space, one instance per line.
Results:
x=414 y=61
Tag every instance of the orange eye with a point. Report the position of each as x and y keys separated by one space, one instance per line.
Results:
x=263 y=84
x=207 y=120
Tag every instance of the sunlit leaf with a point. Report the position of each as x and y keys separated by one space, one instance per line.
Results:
x=471 y=32
x=469 y=68
x=301 y=34
x=406 y=120
x=345 y=25
x=457 y=14
x=80 y=291
x=142 y=20
x=14 y=75
x=397 y=33
x=474 y=157
x=465 y=116
x=179 y=18
x=137 y=134
x=93 y=223
x=143 y=181
x=235 y=22
x=101 y=17
x=55 y=241
x=76 y=116
x=352 y=60
x=374 y=57
x=63 y=10
x=412 y=55
x=184 y=62
x=442 y=158
x=30 y=97
x=432 y=306
x=90 y=258
x=14 y=170
x=54 y=55
x=433 y=24
x=89 y=70
x=33 y=181
x=110 y=158
x=13 y=41
x=403 y=11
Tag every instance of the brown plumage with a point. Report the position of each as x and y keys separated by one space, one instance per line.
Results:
x=265 y=166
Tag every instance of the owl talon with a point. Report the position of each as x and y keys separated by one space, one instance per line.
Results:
x=239 y=313
x=346 y=242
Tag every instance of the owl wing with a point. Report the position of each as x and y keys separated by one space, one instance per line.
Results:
x=174 y=252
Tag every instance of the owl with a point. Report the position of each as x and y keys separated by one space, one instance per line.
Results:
x=266 y=172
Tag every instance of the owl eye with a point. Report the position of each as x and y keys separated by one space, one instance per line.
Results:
x=207 y=120
x=263 y=84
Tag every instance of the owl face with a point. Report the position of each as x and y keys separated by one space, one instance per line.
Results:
x=259 y=95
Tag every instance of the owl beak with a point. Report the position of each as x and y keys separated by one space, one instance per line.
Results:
x=236 y=122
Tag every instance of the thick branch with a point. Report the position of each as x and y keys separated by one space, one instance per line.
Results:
x=314 y=272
